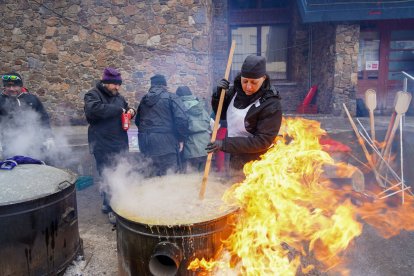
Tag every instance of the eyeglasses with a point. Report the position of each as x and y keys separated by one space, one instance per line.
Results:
x=10 y=77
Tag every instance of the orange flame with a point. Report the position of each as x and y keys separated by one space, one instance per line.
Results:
x=287 y=206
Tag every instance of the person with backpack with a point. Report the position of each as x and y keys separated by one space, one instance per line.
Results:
x=194 y=153
x=162 y=127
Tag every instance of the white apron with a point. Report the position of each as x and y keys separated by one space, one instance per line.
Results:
x=235 y=119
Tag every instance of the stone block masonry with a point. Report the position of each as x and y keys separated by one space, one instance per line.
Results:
x=61 y=47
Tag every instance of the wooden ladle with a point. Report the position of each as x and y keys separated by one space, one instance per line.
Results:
x=392 y=120
x=371 y=103
x=401 y=106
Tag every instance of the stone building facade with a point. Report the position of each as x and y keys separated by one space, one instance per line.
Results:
x=61 y=47
x=323 y=54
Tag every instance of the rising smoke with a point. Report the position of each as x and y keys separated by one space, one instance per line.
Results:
x=24 y=134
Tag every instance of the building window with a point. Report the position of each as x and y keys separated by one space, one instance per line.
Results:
x=401 y=54
x=368 y=55
x=268 y=41
x=258 y=4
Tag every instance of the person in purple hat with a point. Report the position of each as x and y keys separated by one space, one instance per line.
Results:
x=104 y=107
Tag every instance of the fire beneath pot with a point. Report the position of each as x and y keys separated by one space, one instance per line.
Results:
x=289 y=211
x=162 y=225
x=291 y=219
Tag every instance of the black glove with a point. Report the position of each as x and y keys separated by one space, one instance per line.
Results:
x=222 y=84
x=214 y=146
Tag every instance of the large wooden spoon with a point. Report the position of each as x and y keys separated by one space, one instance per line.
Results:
x=216 y=122
x=392 y=120
x=371 y=103
x=401 y=106
x=364 y=148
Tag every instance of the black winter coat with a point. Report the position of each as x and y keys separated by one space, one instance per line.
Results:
x=11 y=107
x=262 y=121
x=103 y=112
x=16 y=119
x=161 y=122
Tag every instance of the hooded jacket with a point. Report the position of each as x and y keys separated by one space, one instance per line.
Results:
x=14 y=121
x=103 y=112
x=262 y=121
x=11 y=106
x=161 y=122
x=199 y=127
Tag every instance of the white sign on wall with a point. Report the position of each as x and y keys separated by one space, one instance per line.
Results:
x=372 y=65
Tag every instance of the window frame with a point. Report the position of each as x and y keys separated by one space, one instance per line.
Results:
x=258 y=18
x=259 y=47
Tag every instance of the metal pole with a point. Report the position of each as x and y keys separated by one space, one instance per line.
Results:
x=402 y=159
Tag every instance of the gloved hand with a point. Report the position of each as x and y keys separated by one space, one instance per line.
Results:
x=214 y=146
x=49 y=143
x=222 y=84
x=132 y=112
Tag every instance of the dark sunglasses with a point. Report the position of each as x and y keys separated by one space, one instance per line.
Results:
x=10 y=77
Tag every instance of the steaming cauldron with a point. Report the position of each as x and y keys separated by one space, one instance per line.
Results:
x=39 y=232
x=167 y=250
x=162 y=225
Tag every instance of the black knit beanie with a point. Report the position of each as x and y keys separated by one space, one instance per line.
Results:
x=253 y=67
x=183 y=91
x=158 y=80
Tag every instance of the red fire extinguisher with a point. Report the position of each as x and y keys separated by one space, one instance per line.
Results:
x=125 y=118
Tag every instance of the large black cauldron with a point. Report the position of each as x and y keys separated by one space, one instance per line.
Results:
x=167 y=250
x=38 y=230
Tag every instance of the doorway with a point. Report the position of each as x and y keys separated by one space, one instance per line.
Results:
x=385 y=49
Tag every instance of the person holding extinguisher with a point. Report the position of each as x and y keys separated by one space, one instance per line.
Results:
x=253 y=112
x=106 y=110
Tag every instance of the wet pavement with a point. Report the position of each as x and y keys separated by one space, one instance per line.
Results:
x=369 y=254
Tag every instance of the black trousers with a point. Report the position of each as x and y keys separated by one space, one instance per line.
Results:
x=161 y=164
x=104 y=159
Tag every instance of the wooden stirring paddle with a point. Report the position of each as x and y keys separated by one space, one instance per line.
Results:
x=371 y=103
x=216 y=122
x=401 y=106
x=391 y=123
x=364 y=148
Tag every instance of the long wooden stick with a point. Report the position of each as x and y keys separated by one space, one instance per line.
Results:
x=392 y=120
x=371 y=103
x=216 y=122
x=401 y=108
x=364 y=148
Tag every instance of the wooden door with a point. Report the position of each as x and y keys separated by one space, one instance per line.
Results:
x=371 y=63
x=385 y=49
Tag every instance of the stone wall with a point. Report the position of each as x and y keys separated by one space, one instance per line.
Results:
x=298 y=64
x=61 y=47
x=346 y=68
x=220 y=37
x=322 y=64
